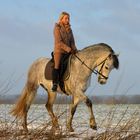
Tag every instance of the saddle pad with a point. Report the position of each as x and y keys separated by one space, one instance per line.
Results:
x=49 y=69
x=64 y=72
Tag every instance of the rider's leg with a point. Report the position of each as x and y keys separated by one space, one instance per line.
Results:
x=55 y=73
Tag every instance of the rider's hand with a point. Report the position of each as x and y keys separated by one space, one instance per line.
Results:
x=74 y=51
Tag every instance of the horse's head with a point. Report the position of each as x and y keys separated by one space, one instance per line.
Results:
x=105 y=67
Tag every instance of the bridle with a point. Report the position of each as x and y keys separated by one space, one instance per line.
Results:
x=95 y=71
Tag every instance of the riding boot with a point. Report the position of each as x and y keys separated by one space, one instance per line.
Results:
x=55 y=76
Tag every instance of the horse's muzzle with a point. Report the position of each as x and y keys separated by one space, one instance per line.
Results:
x=102 y=81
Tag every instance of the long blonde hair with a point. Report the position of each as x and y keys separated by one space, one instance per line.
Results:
x=67 y=27
x=62 y=15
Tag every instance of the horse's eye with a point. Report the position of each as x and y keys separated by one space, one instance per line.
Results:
x=106 y=67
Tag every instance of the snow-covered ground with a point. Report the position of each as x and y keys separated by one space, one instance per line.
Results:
x=109 y=118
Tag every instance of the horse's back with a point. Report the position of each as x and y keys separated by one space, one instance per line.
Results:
x=38 y=66
x=40 y=62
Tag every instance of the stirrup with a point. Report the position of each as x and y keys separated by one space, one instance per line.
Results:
x=54 y=88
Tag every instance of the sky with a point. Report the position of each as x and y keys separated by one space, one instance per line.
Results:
x=26 y=33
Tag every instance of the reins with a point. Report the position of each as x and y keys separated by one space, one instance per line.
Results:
x=93 y=71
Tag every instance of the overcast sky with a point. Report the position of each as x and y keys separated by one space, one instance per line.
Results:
x=26 y=33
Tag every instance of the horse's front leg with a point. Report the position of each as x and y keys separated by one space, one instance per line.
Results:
x=49 y=107
x=92 y=118
x=73 y=107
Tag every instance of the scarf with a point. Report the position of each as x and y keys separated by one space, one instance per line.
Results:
x=66 y=27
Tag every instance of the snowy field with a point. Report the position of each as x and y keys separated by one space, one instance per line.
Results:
x=112 y=120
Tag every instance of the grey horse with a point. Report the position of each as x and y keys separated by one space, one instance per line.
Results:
x=98 y=58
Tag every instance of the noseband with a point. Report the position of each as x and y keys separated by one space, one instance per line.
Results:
x=94 y=71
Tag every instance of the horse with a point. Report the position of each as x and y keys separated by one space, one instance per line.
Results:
x=97 y=58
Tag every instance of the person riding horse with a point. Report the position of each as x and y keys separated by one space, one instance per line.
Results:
x=63 y=44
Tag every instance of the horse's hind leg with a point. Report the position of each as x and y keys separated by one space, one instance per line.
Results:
x=31 y=90
x=92 y=118
x=49 y=107
x=24 y=122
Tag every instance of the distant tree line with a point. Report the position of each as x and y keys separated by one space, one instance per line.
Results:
x=119 y=99
x=62 y=99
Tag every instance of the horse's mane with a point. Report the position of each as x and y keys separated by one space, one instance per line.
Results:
x=105 y=47
x=99 y=46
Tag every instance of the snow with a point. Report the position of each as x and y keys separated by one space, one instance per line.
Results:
x=110 y=119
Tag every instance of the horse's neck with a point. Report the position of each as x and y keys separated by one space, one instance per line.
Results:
x=93 y=58
x=81 y=69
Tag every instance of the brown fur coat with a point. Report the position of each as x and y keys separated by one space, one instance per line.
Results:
x=63 y=40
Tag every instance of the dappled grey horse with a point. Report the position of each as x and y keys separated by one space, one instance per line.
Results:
x=98 y=58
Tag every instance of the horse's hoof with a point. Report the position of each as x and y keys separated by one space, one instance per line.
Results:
x=70 y=129
x=94 y=127
x=25 y=128
x=25 y=131
x=55 y=128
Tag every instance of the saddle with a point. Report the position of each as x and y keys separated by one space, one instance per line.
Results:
x=63 y=74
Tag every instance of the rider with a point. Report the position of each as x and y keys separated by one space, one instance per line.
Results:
x=63 y=44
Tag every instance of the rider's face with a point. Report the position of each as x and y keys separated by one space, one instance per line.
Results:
x=65 y=20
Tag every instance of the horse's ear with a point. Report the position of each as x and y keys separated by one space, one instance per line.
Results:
x=110 y=56
x=117 y=54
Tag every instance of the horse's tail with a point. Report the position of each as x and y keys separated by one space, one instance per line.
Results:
x=23 y=104
x=28 y=94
